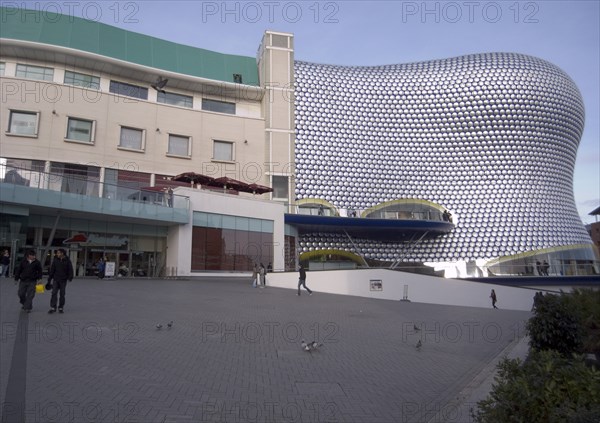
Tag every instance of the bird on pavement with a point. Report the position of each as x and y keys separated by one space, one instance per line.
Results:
x=159 y=326
x=170 y=324
x=419 y=345
x=314 y=345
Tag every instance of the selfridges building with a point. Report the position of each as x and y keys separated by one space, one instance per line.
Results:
x=492 y=138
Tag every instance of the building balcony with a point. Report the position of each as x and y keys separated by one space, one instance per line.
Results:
x=398 y=220
x=26 y=192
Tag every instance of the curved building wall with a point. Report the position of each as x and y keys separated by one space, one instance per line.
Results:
x=491 y=137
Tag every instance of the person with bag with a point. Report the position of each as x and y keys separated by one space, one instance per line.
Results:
x=27 y=274
x=61 y=272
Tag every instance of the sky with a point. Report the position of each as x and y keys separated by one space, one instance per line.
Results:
x=365 y=33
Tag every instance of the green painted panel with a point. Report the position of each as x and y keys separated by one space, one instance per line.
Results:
x=189 y=61
x=112 y=42
x=94 y=37
x=163 y=54
x=21 y=29
x=139 y=49
x=84 y=35
x=55 y=34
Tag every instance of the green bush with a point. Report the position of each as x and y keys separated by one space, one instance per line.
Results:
x=556 y=325
x=546 y=388
x=586 y=303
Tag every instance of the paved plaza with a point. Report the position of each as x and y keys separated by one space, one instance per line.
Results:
x=233 y=354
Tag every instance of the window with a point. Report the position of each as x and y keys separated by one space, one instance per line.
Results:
x=218 y=106
x=82 y=80
x=129 y=90
x=280 y=187
x=179 y=146
x=279 y=40
x=2 y=67
x=23 y=123
x=80 y=130
x=223 y=150
x=132 y=138
x=35 y=72
x=175 y=99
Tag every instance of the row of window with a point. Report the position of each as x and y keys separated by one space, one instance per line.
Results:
x=25 y=123
x=122 y=88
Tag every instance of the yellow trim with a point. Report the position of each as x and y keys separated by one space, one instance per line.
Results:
x=318 y=253
x=403 y=201
x=319 y=201
x=527 y=254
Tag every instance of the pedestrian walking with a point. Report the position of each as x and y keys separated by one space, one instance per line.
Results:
x=302 y=280
x=263 y=275
x=254 y=276
x=28 y=274
x=494 y=298
x=5 y=264
x=61 y=272
x=101 y=266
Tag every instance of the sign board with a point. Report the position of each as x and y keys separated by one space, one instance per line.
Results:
x=376 y=285
x=109 y=270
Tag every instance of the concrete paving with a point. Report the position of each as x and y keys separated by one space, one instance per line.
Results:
x=234 y=354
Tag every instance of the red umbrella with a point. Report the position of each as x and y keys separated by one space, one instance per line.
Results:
x=230 y=183
x=193 y=177
x=259 y=189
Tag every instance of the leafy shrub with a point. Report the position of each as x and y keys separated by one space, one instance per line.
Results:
x=555 y=325
x=586 y=303
x=546 y=388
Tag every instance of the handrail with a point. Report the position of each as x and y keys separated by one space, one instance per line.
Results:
x=90 y=186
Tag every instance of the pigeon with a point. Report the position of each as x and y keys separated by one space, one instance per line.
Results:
x=416 y=328
x=159 y=326
x=310 y=346
x=419 y=345
x=170 y=324
x=314 y=345
x=160 y=84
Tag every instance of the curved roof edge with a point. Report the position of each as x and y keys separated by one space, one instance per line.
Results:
x=55 y=29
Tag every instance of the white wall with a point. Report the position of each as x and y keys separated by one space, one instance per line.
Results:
x=421 y=288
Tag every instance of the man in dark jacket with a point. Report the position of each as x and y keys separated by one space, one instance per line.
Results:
x=27 y=274
x=60 y=272
x=302 y=280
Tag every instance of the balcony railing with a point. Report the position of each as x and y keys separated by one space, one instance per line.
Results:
x=87 y=193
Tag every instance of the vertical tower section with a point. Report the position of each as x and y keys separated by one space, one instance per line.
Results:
x=276 y=73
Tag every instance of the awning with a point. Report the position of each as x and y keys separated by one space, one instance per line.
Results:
x=259 y=189
x=230 y=183
x=194 y=178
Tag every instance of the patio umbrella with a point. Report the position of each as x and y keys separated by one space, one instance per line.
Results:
x=230 y=183
x=194 y=178
x=259 y=189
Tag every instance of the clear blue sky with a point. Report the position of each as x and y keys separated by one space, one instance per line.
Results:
x=565 y=33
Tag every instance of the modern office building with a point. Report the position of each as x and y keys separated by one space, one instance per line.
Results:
x=156 y=156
